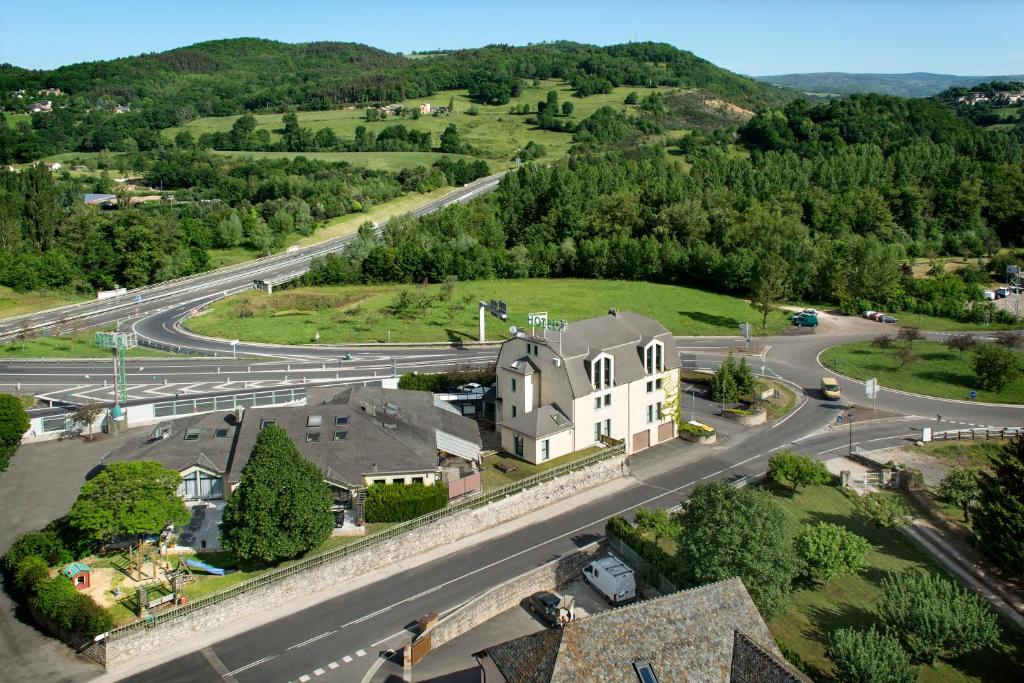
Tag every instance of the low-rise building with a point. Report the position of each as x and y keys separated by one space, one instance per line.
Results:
x=358 y=437
x=425 y=108
x=49 y=92
x=122 y=108
x=710 y=633
x=616 y=376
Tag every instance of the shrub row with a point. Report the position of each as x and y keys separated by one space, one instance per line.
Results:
x=401 y=502
x=653 y=555
x=59 y=601
x=438 y=382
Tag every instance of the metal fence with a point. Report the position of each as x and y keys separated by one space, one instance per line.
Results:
x=607 y=453
x=633 y=559
x=976 y=434
x=207 y=404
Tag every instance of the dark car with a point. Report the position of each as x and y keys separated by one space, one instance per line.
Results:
x=888 y=319
x=545 y=606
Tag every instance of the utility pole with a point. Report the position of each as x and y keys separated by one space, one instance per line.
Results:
x=849 y=417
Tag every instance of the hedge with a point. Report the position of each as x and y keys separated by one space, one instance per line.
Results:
x=401 y=502
x=695 y=430
x=59 y=601
x=653 y=555
x=437 y=382
x=45 y=544
x=30 y=573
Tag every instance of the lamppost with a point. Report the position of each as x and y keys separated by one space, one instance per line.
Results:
x=849 y=418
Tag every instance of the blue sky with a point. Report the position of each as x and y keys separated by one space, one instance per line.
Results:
x=757 y=38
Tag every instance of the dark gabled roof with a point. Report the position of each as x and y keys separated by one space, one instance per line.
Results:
x=173 y=451
x=685 y=636
x=752 y=663
x=536 y=424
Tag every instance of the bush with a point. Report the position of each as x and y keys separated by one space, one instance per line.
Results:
x=30 y=573
x=58 y=601
x=437 y=382
x=995 y=366
x=44 y=544
x=401 y=502
x=828 y=550
x=653 y=555
x=886 y=510
x=797 y=470
x=697 y=430
x=869 y=657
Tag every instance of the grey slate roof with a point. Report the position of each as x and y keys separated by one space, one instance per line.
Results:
x=686 y=636
x=544 y=421
x=376 y=441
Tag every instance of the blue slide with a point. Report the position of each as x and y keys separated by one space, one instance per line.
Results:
x=196 y=564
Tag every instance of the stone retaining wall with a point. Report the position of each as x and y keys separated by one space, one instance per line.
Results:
x=756 y=418
x=381 y=555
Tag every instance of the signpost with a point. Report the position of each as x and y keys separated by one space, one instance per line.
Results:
x=746 y=331
x=871 y=390
x=497 y=308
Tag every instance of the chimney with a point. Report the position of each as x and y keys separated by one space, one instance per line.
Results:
x=239 y=413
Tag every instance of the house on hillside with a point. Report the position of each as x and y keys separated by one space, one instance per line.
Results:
x=558 y=392
x=18 y=94
x=122 y=109
x=49 y=92
x=54 y=166
x=357 y=437
x=40 y=106
x=425 y=108
x=97 y=199
x=710 y=633
x=390 y=109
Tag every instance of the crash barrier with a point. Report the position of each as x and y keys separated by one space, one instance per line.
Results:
x=976 y=434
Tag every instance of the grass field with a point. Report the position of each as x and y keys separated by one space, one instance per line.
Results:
x=71 y=346
x=16 y=303
x=365 y=313
x=385 y=161
x=933 y=324
x=494 y=478
x=493 y=131
x=937 y=372
x=815 y=611
x=976 y=454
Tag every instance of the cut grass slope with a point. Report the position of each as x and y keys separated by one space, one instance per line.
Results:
x=937 y=372
x=849 y=601
x=366 y=313
x=17 y=303
x=72 y=346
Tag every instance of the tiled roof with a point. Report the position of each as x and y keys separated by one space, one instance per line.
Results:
x=686 y=636
x=544 y=421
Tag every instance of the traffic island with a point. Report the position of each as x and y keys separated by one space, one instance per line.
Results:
x=748 y=417
x=698 y=432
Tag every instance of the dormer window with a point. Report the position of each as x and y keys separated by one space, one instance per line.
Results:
x=602 y=372
x=654 y=357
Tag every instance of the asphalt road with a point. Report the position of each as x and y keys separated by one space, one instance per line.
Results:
x=239 y=277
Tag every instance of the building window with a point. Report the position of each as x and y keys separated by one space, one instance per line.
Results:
x=513 y=411
x=221 y=433
x=513 y=384
x=650 y=387
x=602 y=373
x=661 y=414
x=192 y=435
x=340 y=435
x=597 y=431
x=380 y=481
x=341 y=420
x=644 y=672
x=517 y=440
x=199 y=485
x=654 y=358
x=597 y=402
x=545 y=449
x=417 y=480
x=608 y=428
x=536 y=349
x=314 y=420
x=607 y=399
x=266 y=422
x=650 y=414
x=658 y=383
x=312 y=437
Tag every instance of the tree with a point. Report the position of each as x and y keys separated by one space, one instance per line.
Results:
x=909 y=335
x=961 y=343
x=128 y=499
x=14 y=423
x=732 y=380
x=567 y=108
x=827 y=550
x=658 y=522
x=961 y=488
x=632 y=98
x=450 y=141
x=1010 y=339
x=869 y=657
x=995 y=366
x=886 y=510
x=882 y=341
x=728 y=531
x=904 y=355
x=770 y=284
x=936 y=617
x=787 y=467
x=281 y=508
x=85 y=414
x=999 y=513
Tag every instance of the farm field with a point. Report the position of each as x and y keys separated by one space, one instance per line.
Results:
x=937 y=372
x=374 y=313
x=849 y=601
x=494 y=132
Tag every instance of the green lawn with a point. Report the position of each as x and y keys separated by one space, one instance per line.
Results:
x=781 y=406
x=494 y=478
x=975 y=454
x=70 y=346
x=494 y=132
x=816 y=611
x=17 y=303
x=933 y=324
x=364 y=313
x=937 y=372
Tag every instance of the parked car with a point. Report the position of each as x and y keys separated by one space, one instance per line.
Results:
x=988 y=294
x=548 y=608
x=610 y=577
x=887 y=319
x=805 y=320
x=809 y=311
x=1002 y=293
x=869 y=314
x=877 y=317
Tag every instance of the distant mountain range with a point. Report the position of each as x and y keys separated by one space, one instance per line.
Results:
x=919 y=84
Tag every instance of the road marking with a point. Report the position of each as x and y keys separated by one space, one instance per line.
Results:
x=251 y=665
x=304 y=678
x=210 y=656
x=319 y=672
x=311 y=640
x=333 y=665
x=393 y=635
x=713 y=474
x=360 y=653
x=346 y=659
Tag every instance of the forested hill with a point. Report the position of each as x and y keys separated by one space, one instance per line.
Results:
x=233 y=76
x=919 y=84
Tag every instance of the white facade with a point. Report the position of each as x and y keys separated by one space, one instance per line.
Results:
x=615 y=376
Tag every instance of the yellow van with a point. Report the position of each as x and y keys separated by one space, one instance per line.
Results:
x=830 y=388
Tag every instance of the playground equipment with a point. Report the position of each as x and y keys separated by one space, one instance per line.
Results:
x=197 y=564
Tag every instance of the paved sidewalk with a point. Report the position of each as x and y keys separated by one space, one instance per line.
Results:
x=1005 y=601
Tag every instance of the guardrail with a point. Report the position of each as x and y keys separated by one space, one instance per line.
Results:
x=610 y=451
x=976 y=434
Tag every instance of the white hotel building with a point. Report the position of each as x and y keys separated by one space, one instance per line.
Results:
x=614 y=376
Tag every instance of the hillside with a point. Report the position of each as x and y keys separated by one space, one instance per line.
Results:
x=919 y=84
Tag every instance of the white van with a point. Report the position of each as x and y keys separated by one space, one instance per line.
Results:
x=989 y=295
x=611 y=578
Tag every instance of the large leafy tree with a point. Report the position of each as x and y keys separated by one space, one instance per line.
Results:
x=886 y=510
x=869 y=657
x=128 y=499
x=999 y=516
x=726 y=531
x=961 y=488
x=828 y=550
x=995 y=366
x=794 y=469
x=282 y=507
x=13 y=425
x=936 y=617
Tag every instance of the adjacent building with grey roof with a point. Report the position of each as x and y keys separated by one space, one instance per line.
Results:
x=614 y=376
x=713 y=633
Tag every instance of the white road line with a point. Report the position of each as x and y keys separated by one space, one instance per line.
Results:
x=392 y=636
x=360 y=653
x=346 y=659
x=311 y=640
x=304 y=679
x=251 y=665
x=333 y=665
x=318 y=672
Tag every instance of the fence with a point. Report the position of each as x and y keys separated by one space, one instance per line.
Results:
x=611 y=451
x=976 y=434
x=468 y=484
x=633 y=559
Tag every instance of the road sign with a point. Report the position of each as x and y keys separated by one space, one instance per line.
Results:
x=138 y=298
x=871 y=388
x=839 y=419
x=973 y=394
x=745 y=330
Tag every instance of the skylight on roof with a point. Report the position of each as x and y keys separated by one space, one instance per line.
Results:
x=644 y=672
x=221 y=433
x=341 y=420
x=192 y=434
x=314 y=420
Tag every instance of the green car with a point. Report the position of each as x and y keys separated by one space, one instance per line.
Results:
x=803 y=320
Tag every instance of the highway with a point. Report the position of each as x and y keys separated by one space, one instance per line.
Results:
x=231 y=279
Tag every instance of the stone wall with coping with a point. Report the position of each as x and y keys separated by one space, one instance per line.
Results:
x=379 y=556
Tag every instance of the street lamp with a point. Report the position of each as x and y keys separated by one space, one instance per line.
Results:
x=849 y=418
